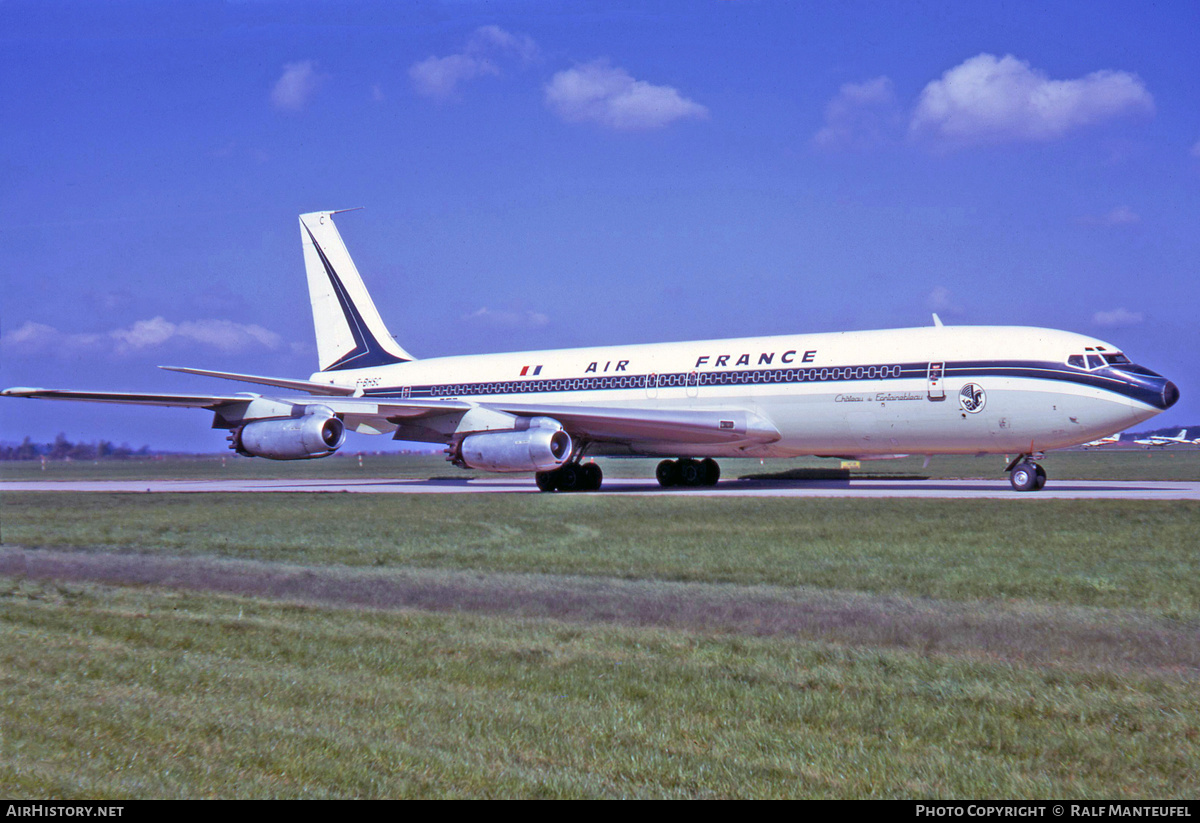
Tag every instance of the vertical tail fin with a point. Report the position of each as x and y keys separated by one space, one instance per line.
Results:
x=350 y=332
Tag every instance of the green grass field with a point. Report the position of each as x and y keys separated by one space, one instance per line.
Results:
x=591 y=646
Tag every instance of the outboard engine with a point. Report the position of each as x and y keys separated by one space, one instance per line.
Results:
x=315 y=433
x=540 y=447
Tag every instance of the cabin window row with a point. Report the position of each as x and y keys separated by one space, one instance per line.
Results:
x=673 y=380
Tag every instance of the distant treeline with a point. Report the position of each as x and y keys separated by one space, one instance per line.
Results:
x=64 y=449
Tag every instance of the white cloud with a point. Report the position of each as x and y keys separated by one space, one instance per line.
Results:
x=491 y=39
x=1120 y=216
x=1117 y=317
x=142 y=336
x=227 y=336
x=31 y=337
x=296 y=86
x=600 y=93
x=440 y=77
x=507 y=319
x=941 y=298
x=942 y=301
x=861 y=115
x=992 y=100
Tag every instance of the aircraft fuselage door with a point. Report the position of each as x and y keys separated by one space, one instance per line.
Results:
x=933 y=382
x=693 y=384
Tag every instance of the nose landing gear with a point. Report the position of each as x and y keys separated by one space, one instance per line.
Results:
x=1026 y=475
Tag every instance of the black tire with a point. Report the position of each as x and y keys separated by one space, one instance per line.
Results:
x=1024 y=477
x=667 y=474
x=689 y=472
x=1041 y=478
x=546 y=481
x=570 y=478
x=711 y=471
x=592 y=477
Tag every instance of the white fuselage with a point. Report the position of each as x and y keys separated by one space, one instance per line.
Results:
x=934 y=390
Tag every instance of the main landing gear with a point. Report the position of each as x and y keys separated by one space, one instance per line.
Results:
x=587 y=477
x=571 y=477
x=1026 y=475
x=688 y=472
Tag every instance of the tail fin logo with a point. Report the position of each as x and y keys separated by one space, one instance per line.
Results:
x=367 y=351
x=350 y=333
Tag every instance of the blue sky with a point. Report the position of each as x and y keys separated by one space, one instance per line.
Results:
x=541 y=175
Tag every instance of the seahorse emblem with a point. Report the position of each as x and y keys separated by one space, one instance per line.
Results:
x=972 y=398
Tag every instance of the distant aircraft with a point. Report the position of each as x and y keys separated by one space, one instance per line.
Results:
x=1104 y=441
x=1164 y=440
x=869 y=394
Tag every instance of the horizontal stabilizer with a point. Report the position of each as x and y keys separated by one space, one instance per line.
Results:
x=359 y=406
x=278 y=382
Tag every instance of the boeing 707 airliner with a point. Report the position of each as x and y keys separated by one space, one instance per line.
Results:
x=941 y=389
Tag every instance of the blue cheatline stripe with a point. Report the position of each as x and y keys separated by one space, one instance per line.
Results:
x=810 y=374
x=665 y=380
x=367 y=351
x=1129 y=385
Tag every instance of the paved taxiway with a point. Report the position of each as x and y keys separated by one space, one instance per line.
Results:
x=935 y=489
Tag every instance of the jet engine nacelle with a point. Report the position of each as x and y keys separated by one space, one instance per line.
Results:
x=542 y=446
x=293 y=438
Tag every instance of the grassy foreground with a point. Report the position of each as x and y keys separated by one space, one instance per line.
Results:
x=125 y=693
x=1115 y=554
x=962 y=648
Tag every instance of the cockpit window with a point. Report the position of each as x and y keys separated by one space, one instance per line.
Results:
x=1091 y=362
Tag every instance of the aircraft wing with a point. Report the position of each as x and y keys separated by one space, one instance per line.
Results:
x=613 y=424
x=628 y=424
x=610 y=424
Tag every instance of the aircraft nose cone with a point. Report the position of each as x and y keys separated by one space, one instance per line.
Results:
x=1170 y=394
